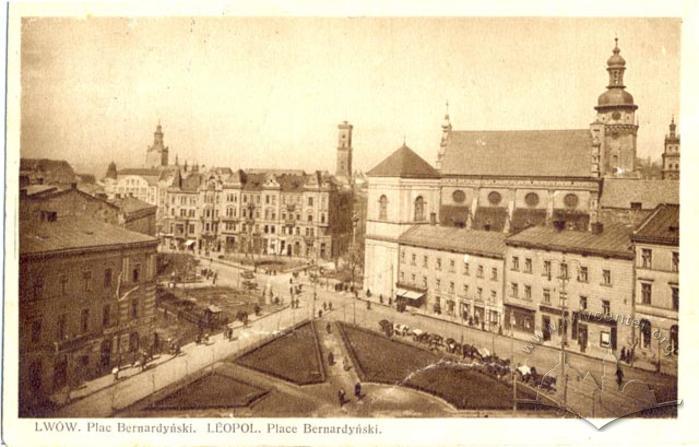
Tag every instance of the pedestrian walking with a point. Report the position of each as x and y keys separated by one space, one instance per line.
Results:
x=328 y=328
x=341 y=396
x=619 y=376
x=320 y=313
x=358 y=391
x=622 y=356
x=330 y=306
x=115 y=373
x=331 y=358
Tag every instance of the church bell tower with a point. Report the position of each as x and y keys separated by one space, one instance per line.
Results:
x=343 y=165
x=615 y=128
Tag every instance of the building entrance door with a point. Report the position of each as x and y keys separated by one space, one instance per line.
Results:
x=60 y=373
x=106 y=355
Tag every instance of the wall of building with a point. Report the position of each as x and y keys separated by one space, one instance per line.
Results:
x=662 y=313
x=60 y=288
x=618 y=293
x=70 y=203
x=460 y=284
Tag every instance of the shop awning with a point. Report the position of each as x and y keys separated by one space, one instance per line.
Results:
x=190 y=242
x=409 y=294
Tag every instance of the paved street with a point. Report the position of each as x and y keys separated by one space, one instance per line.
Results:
x=581 y=392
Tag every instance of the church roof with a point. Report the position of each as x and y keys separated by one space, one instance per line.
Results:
x=621 y=192
x=531 y=153
x=404 y=163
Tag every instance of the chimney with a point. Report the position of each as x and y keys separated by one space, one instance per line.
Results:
x=433 y=218
x=596 y=227
x=559 y=225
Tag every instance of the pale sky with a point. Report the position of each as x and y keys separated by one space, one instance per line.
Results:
x=262 y=92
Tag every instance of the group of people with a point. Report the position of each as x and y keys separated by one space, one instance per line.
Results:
x=626 y=355
x=357 y=393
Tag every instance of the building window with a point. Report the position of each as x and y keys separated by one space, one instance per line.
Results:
x=606 y=309
x=547 y=269
x=582 y=274
x=527 y=265
x=646 y=258
x=645 y=330
x=493 y=295
x=419 y=209
x=515 y=263
x=106 y=315
x=425 y=261
x=134 y=309
x=479 y=293
x=494 y=274
x=466 y=269
x=107 y=277
x=451 y=287
x=563 y=270
x=439 y=264
x=674 y=338
x=514 y=290
x=310 y=201
x=438 y=284
x=402 y=256
x=84 y=320
x=412 y=278
x=452 y=265
x=322 y=218
x=87 y=280
x=604 y=339
x=675 y=298
x=63 y=284
x=412 y=259
x=36 y=331
x=527 y=292
x=424 y=282
x=383 y=207
x=675 y=261
x=465 y=289
x=646 y=290
x=61 y=327
x=402 y=276
x=479 y=271
x=583 y=303
x=607 y=277
x=547 y=296
x=136 y=273
x=38 y=287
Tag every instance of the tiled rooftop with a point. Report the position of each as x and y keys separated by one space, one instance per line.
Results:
x=460 y=240
x=403 y=163
x=613 y=241
x=622 y=192
x=661 y=227
x=70 y=232
x=540 y=153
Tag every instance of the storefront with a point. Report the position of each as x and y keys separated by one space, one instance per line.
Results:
x=519 y=318
x=410 y=297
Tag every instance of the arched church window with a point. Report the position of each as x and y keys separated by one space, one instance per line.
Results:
x=570 y=201
x=458 y=196
x=419 y=209
x=495 y=198
x=531 y=199
x=383 y=207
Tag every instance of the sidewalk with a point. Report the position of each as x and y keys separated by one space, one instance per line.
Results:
x=104 y=396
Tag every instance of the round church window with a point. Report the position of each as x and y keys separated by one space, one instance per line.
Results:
x=531 y=199
x=458 y=196
x=570 y=200
x=494 y=198
x=616 y=115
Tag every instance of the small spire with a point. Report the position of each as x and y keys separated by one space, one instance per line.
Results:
x=403 y=139
x=446 y=115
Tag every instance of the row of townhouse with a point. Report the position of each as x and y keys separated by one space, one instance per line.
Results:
x=288 y=213
x=596 y=292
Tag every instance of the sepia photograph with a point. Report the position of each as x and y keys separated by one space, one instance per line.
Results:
x=355 y=219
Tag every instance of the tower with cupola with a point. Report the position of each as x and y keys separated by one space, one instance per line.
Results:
x=615 y=127
x=157 y=154
x=671 y=154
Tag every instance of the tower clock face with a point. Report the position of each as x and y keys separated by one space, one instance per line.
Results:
x=616 y=116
